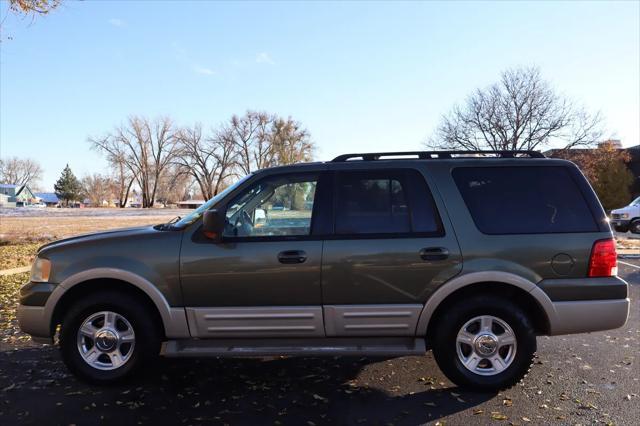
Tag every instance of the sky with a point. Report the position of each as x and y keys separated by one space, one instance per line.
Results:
x=359 y=76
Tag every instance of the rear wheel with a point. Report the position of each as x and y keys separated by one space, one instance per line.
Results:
x=486 y=343
x=108 y=336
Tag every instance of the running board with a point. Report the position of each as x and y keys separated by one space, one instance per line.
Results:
x=330 y=346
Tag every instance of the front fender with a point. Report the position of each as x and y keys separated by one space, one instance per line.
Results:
x=174 y=319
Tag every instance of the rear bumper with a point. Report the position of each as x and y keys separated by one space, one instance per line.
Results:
x=588 y=315
x=580 y=305
x=581 y=289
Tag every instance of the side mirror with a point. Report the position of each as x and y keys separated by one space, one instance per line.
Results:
x=213 y=224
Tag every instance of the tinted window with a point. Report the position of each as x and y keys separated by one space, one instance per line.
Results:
x=381 y=202
x=524 y=200
x=275 y=206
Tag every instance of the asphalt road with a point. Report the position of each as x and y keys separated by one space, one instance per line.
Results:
x=580 y=379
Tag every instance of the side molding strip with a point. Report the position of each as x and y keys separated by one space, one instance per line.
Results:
x=256 y=321
x=371 y=320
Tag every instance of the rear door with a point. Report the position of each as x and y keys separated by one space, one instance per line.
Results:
x=391 y=245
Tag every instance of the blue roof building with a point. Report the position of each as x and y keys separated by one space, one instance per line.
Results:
x=49 y=198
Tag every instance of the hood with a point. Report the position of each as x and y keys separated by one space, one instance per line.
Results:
x=626 y=209
x=97 y=236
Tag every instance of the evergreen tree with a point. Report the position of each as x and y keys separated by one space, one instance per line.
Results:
x=68 y=187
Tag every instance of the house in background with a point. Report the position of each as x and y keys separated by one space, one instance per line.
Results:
x=16 y=196
x=190 y=204
x=50 y=199
x=4 y=201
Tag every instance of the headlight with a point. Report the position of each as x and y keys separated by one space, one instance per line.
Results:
x=624 y=215
x=40 y=270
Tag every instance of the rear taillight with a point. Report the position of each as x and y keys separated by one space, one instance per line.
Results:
x=604 y=259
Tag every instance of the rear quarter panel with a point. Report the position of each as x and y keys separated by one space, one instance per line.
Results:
x=527 y=255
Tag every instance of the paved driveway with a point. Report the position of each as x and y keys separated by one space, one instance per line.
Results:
x=578 y=379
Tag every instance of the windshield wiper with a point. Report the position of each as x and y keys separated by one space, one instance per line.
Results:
x=168 y=225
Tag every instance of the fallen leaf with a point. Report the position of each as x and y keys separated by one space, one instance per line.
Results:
x=13 y=385
x=498 y=416
x=320 y=398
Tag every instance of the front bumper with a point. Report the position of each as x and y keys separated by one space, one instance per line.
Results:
x=31 y=314
x=620 y=223
x=33 y=321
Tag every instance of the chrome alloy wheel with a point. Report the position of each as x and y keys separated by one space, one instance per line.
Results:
x=106 y=340
x=486 y=345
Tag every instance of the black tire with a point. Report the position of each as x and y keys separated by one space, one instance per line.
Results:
x=450 y=323
x=148 y=337
x=620 y=228
x=634 y=226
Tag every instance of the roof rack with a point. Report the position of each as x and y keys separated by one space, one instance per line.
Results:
x=435 y=155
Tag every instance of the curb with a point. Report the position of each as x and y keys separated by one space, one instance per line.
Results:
x=15 y=271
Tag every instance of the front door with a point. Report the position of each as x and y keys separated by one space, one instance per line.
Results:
x=389 y=250
x=263 y=279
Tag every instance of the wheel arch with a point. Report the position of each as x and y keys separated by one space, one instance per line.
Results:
x=522 y=291
x=173 y=320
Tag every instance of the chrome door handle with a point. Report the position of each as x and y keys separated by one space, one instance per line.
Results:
x=292 y=256
x=434 y=253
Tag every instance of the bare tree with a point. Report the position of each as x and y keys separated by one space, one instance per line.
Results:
x=145 y=147
x=291 y=142
x=209 y=160
x=97 y=188
x=265 y=140
x=250 y=137
x=20 y=171
x=174 y=186
x=520 y=112
x=123 y=179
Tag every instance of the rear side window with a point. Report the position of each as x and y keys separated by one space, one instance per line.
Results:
x=383 y=202
x=524 y=200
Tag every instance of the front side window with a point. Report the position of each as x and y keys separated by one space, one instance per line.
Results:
x=274 y=206
x=197 y=213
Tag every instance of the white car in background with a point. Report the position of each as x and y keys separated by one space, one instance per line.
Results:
x=627 y=218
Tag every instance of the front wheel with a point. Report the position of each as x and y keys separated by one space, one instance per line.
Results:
x=108 y=336
x=634 y=227
x=486 y=343
x=621 y=228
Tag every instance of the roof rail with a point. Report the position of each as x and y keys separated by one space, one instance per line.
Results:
x=435 y=155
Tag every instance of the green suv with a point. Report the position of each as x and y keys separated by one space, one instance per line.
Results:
x=471 y=255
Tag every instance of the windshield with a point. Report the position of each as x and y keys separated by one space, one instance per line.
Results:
x=197 y=213
x=635 y=202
